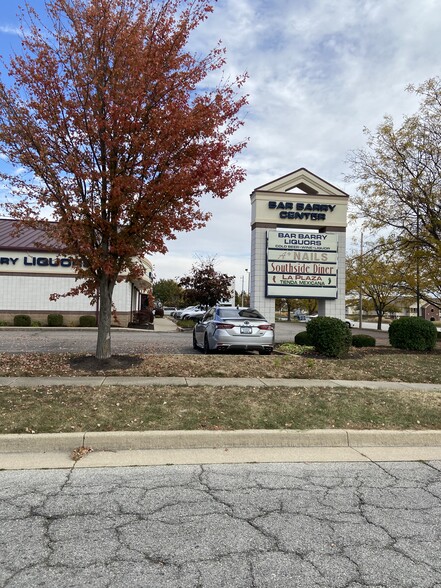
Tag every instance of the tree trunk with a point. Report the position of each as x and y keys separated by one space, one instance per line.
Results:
x=103 y=344
x=379 y=320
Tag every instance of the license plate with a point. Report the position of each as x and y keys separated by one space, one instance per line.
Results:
x=246 y=330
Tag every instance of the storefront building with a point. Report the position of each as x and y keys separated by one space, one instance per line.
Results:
x=31 y=270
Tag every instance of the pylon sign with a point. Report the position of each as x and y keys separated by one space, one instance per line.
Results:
x=301 y=264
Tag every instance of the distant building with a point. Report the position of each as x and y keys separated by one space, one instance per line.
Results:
x=31 y=269
x=430 y=312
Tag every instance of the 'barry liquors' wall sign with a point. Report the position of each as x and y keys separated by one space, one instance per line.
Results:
x=301 y=264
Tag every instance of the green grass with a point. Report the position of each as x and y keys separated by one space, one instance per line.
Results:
x=62 y=409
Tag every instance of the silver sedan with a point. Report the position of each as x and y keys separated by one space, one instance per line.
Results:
x=233 y=328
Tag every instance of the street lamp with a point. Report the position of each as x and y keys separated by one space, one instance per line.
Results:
x=248 y=286
x=243 y=285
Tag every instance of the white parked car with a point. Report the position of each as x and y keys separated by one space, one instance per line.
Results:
x=309 y=317
x=195 y=314
x=236 y=328
x=180 y=313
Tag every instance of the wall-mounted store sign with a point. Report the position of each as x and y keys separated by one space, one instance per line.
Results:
x=38 y=261
x=14 y=261
x=301 y=264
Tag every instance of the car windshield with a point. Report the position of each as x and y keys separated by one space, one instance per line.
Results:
x=232 y=312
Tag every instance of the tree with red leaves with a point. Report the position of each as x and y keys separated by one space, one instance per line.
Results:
x=108 y=110
x=205 y=286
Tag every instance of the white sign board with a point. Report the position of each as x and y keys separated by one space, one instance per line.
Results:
x=301 y=264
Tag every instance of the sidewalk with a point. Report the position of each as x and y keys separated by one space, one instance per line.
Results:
x=113 y=449
x=98 y=381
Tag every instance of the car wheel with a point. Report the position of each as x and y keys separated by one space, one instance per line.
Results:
x=195 y=344
x=207 y=349
x=265 y=351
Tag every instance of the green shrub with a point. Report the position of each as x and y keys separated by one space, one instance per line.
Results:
x=87 y=320
x=303 y=338
x=413 y=333
x=330 y=336
x=22 y=320
x=363 y=341
x=143 y=317
x=36 y=324
x=54 y=320
x=3 y=323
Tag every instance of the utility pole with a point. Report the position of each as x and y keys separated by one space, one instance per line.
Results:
x=360 y=295
x=418 y=260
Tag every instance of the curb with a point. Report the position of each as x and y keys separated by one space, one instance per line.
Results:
x=259 y=438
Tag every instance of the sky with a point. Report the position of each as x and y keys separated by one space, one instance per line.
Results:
x=320 y=71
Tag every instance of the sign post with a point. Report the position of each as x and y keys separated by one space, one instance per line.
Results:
x=298 y=243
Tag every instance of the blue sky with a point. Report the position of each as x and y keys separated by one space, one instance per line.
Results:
x=320 y=71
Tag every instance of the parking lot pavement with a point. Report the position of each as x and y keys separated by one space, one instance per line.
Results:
x=321 y=525
x=164 y=339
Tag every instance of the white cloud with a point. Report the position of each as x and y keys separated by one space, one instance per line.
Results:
x=320 y=71
x=9 y=30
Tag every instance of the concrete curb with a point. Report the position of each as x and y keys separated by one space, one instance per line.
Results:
x=260 y=438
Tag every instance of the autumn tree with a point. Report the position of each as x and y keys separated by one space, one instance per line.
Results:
x=288 y=304
x=379 y=276
x=422 y=275
x=399 y=182
x=205 y=286
x=113 y=118
x=168 y=292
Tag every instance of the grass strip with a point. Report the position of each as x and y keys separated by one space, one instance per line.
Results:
x=118 y=408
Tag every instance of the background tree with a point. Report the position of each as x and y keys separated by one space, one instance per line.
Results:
x=168 y=292
x=422 y=278
x=399 y=176
x=379 y=277
x=289 y=305
x=241 y=298
x=206 y=286
x=111 y=115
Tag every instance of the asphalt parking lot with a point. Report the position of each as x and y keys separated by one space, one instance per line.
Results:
x=166 y=339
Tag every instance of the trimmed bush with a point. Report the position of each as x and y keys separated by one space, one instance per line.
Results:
x=413 y=333
x=363 y=341
x=22 y=320
x=87 y=320
x=303 y=338
x=54 y=320
x=330 y=336
x=143 y=317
